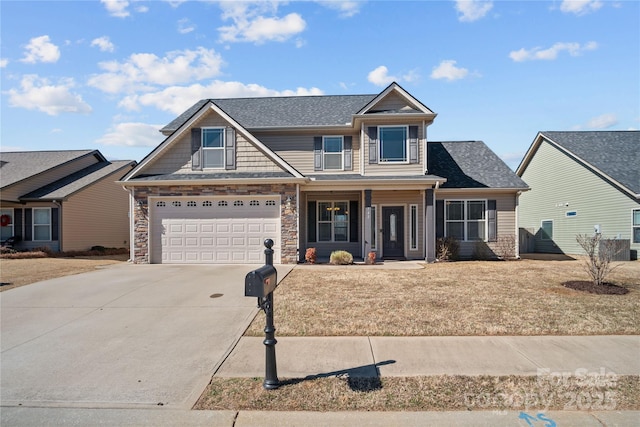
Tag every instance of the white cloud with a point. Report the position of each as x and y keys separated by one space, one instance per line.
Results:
x=40 y=49
x=103 y=43
x=145 y=71
x=250 y=24
x=116 y=8
x=4 y=62
x=346 y=9
x=380 y=76
x=177 y=99
x=39 y=94
x=132 y=135
x=472 y=10
x=447 y=70
x=580 y=7
x=185 y=26
x=537 y=53
x=603 y=121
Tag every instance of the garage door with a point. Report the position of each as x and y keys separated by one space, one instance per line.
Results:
x=208 y=230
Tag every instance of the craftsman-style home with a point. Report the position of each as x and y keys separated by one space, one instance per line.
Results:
x=348 y=172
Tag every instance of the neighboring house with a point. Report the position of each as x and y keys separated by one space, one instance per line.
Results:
x=581 y=183
x=63 y=200
x=351 y=172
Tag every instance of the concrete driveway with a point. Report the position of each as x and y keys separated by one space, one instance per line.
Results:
x=125 y=336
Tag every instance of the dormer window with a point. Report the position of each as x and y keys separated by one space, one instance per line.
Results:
x=213 y=148
x=332 y=147
x=393 y=144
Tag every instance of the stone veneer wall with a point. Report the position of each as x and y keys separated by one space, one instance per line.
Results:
x=288 y=232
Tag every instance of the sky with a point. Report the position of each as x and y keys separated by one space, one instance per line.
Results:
x=109 y=74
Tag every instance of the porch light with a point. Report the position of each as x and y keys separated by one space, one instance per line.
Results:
x=288 y=202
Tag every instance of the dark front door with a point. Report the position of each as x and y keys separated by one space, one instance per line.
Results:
x=393 y=232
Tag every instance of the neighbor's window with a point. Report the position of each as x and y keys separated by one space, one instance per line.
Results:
x=466 y=219
x=332 y=151
x=41 y=224
x=546 y=229
x=213 y=147
x=413 y=212
x=333 y=221
x=636 y=226
x=6 y=230
x=393 y=143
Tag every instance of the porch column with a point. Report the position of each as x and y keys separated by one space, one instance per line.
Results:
x=367 y=223
x=430 y=226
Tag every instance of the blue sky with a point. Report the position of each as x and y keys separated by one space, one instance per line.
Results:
x=108 y=74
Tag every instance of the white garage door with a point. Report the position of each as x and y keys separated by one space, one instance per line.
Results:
x=214 y=230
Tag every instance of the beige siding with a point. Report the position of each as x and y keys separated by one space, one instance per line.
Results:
x=405 y=199
x=38 y=181
x=393 y=101
x=177 y=158
x=96 y=216
x=393 y=169
x=558 y=185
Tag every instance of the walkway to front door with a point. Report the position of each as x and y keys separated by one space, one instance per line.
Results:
x=393 y=232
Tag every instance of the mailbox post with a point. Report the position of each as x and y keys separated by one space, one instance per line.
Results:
x=261 y=283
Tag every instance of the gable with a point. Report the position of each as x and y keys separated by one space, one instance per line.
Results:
x=393 y=103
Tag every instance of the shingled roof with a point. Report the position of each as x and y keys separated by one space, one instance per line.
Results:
x=285 y=111
x=470 y=164
x=614 y=153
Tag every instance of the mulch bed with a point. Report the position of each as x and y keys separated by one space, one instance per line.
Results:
x=604 y=289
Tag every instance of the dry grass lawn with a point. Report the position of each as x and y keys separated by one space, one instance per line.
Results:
x=20 y=272
x=459 y=298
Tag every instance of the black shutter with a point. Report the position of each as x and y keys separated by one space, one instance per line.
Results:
x=17 y=224
x=311 y=221
x=413 y=144
x=230 y=148
x=27 y=225
x=492 y=219
x=54 y=224
x=317 y=153
x=196 y=151
x=348 y=153
x=372 y=132
x=439 y=218
x=354 y=214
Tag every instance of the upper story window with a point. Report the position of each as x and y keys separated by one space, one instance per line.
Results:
x=213 y=148
x=332 y=147
x=393 y=143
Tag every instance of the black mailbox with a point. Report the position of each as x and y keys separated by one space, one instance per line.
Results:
x=260 y=282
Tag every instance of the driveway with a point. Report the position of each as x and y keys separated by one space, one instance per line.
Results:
x=125 y=336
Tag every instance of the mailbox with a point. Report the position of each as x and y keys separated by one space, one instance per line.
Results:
x=260 y=282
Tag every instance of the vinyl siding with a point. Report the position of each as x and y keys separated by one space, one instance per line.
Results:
x=393 y=169
x=560 y=184
x=24 y=187
x=393 y=102
x=96 y=216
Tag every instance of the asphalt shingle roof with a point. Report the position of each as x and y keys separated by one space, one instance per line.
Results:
x=470 y=164
x=18 y=166
x=616 y=153
x=275 y=112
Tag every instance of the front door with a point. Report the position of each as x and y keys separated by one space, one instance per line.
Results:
x=393 y=232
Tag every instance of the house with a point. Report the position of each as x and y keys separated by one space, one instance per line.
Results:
x=348 y=172
x=581 y=183
x=63 y=200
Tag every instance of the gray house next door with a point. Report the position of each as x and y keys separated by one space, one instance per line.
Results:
x=393 y=232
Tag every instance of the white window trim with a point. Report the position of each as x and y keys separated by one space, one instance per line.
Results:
x=406 y=146
x=33 y=224
x=223 y=148
x=324 y=153
x=543 y=234
x=374 y=227
x=633 y=226
x=413 y=228
x=11 y=212
x=465 y=220
x=332 y=222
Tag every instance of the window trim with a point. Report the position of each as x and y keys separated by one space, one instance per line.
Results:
x=634 y=226
x=544 y=235
x=333 y=221
x=465 y=219
x=222 y=130
x=413 y=227
x=341 y=153
x=406 y=146
x=34 y=225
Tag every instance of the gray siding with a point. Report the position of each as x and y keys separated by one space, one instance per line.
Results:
x=559 y=185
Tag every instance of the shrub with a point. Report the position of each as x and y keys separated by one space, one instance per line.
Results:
x=447 y=249
x=341 y=258
x=600 y=252
x=311 y=255
x=505 y=246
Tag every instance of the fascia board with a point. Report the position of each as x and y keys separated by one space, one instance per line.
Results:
x=395 y=87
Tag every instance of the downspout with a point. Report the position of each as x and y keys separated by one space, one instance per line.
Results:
x=517 y=248
x=298 y=231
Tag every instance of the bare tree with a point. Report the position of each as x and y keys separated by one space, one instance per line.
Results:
x=600 y=252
